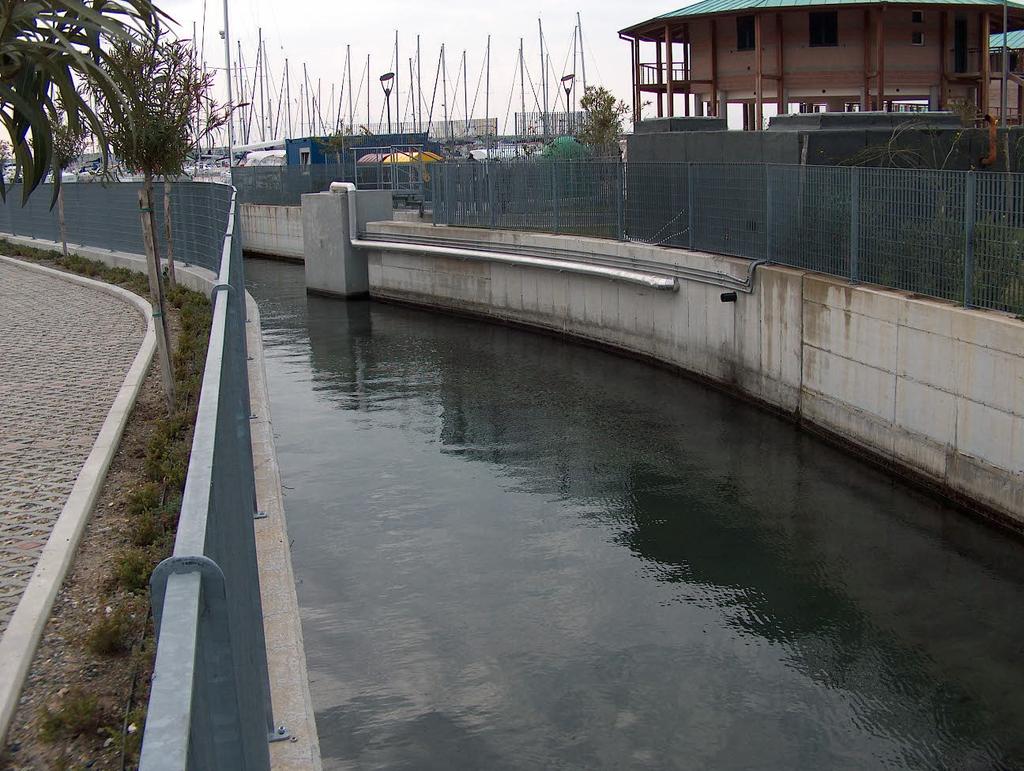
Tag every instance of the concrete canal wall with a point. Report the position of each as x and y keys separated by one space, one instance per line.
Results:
x=928 y=387
x=271 y=230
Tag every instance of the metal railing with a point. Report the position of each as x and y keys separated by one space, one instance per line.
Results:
x=209 y=706
x=285 y=185
x=657 y=74
x=948 y=234
x=106 y=216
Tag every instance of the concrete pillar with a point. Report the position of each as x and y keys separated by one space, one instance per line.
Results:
x=333 y=266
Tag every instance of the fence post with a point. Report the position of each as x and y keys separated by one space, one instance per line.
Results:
x=969 y=202
x=620 y=192
x=769 y=211
x=554 y=196
x=689 y=204
x=854 y=224
x=490 y=195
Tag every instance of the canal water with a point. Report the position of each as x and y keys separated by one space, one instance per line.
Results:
x=513 y=551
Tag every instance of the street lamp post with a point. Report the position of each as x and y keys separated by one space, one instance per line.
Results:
x=387 y=82
x=567 y=86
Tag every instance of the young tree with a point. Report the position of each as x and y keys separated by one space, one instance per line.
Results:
x=163 y=91
x=45 y=49
x=335 y=144
x=602 y=121
x=68 y=143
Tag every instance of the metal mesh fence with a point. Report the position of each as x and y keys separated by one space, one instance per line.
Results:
x=285 y=185
x=948 y=234
x=106 y=216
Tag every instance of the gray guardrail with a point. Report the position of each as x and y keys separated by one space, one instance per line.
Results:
x=209 y=707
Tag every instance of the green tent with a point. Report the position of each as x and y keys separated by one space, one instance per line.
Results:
x=565 y=149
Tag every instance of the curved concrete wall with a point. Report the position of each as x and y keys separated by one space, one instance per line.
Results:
x=271 y=230
x=924 y=385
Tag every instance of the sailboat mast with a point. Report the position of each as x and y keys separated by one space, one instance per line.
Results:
x=521 y=130
x=398 y=98
x=288 y=95
x=487 y=91
x=583 y=55
x=543 y=81
x=259 y=70
x=444 y=85
x=419 y=83
x=351 y=120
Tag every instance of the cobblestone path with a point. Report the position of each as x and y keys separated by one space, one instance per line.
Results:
x=64 y=352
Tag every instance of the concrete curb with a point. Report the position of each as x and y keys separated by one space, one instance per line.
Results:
x=286 y=656
x=19 y=641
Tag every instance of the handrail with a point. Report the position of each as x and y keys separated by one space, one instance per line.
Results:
x=209 y=706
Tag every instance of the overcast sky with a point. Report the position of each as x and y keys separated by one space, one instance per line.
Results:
x=315 y=32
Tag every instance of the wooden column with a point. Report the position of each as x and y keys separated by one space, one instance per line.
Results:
x=880 y=57
x=984 y=64
x=686 y=67
x=669 y=77
x=636 y=81
x=866 y=102
x=661 y=78
x=943 y=56
x=780 y=81
x=758 y=74
x=714 y=70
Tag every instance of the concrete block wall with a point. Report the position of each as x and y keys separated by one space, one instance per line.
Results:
x=925 y=385
x=271 y=230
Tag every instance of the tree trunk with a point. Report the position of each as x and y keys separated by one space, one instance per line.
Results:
x=156 y=289
x=60 y=220
x=168 y=232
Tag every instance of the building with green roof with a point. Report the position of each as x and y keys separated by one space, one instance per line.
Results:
x=780 y=56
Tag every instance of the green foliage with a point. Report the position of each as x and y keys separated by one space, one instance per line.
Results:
x=129 y=279
x=78 y=713
x=167 y=453
x=68 y=142
x=163 y=91
x=112 y=633
x=45 y=48
x=132 y=569
x=602 y=120
x=335 y=144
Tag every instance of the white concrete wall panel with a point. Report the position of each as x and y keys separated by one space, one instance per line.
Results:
x=272 y=230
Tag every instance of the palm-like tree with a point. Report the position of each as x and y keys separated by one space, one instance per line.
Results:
x=48 y=48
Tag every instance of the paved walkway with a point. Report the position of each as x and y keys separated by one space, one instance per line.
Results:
x=64 y=351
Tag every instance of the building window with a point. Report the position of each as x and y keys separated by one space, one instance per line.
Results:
x=303 y=156
x=824 y=28
x=917 y=17
x=745 y=37
x=960 y=44
x=916 y=38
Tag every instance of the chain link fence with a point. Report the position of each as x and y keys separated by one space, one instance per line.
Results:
x=375 y=170
x=106 y=216
x=949 y=234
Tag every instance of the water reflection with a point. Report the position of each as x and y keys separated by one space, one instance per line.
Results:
x=518 y=552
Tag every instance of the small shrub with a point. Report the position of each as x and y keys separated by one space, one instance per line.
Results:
x=112 y=635
x=146 y=498
x=78 y=713
x=132 y=569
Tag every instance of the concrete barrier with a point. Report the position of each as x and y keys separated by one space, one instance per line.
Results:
x=334 y=267
x=931 y=389
x=275 y=231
